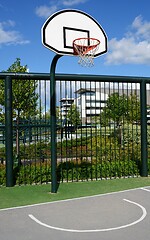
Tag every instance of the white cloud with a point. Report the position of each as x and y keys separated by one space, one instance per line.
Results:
x=8 y=23
x=46 y=10
x=133 y=48
x=72 y=2
x=8 y=37
x=142 y=28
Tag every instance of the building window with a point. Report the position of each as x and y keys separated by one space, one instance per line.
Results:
x=79 y=101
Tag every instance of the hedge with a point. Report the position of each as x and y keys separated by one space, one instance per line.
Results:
x=71 y=171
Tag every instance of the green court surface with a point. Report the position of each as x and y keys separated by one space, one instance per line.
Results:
x=32 y=194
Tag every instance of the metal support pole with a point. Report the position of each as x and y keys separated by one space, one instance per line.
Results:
x=53 y=124
x=144 y=154
x=8 y=132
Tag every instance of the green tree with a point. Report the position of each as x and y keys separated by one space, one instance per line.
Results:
x=115 y=109
x=133 y=113
x=121 y=108
x=47 y=115
x=24 y=96
x=73 y=115
x=24 y=93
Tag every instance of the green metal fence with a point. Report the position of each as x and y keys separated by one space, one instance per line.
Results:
x=102 y=128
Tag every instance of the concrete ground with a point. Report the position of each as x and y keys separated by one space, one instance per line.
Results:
x=123 y=215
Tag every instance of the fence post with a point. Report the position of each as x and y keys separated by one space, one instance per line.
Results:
x=53 y=124
x=144 y=154
x=8 y=132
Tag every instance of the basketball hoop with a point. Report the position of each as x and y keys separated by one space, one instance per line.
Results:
x=86 y=48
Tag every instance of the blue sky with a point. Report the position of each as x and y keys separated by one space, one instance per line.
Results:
x=126 y=23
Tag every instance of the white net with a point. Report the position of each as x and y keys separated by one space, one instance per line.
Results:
x=86 y=48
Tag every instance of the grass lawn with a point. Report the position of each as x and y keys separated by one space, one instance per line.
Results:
x=31 y=194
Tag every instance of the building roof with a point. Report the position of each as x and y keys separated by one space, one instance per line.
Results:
x=66 y=99
x=84 y=90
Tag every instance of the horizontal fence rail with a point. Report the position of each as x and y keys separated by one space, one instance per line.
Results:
x=102 y=127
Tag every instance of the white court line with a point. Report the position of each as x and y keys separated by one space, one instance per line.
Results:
x=145 y=189
x=70 y=199
x=144 y=213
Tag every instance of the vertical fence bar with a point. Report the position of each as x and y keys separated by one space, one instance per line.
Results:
x=144 y=154
x=8 y=132
x=53 y=124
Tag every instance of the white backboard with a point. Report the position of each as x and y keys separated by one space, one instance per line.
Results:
x=61 y=28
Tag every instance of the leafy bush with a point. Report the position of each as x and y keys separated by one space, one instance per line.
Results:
x=34 y=151
x=109 y=149
x=2 y=174
x=148 y=134
x=33 y=173
x=71 y=171
x=95 y=158
x=73 y=147
x=83 y=171
x=2 y=153
x=131 y=133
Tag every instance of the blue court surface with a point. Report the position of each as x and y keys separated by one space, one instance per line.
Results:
x=123 y=215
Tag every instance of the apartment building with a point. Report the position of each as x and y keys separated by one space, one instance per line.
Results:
x=90 y=103
x=65 y=104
